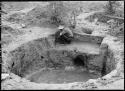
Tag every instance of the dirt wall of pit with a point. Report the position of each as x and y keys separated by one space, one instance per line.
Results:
x=36 y=54
x=115 y=62
x=113 y=80
x=88 y=38
x=41 y=53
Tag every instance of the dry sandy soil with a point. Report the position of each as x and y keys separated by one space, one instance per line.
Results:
x=32 y=33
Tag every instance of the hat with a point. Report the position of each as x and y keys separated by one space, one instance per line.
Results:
x=61 y=27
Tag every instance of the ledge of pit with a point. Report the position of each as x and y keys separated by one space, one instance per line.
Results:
x=117 y=48
x=114 y=79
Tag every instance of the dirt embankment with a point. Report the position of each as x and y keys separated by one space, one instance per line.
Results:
x=34 y=55
x=33 y=52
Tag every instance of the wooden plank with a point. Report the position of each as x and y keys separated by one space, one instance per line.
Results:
x=88 y=37
x=115 y=17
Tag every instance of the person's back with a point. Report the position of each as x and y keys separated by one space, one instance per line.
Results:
x=57 y=34
x=64 y=35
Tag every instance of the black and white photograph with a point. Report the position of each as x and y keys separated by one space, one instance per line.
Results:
x=62 y=45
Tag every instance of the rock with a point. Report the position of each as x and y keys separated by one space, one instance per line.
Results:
x=69 y=68
x=92 y=81
x=23 y=26
x=113 y=73
x=91 y=71
x=5 y=75
x=15 y=77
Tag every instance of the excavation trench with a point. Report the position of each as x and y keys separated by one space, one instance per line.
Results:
x=41 y=61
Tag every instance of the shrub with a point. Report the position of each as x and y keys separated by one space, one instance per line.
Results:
x=87 y=30
x=118 y=32
x=111 y=7
x=56 y=12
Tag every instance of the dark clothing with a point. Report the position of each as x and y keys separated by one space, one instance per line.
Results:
x=63 y=39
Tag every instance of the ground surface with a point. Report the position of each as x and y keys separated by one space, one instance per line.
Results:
x=32 y=33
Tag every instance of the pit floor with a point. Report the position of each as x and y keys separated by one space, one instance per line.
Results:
x=64 y=76
x=61 y=76
x=85 y=47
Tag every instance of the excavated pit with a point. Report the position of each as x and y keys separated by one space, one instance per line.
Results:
x=41 y=61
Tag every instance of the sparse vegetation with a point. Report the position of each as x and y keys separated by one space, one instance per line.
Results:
x=118 y=32
x=87 y=30
x=28 y=44
x=111 y=7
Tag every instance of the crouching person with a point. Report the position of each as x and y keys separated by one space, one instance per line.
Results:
x=63 y=36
